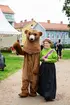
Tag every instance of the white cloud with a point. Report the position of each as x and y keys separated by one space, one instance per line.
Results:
x=40 y=10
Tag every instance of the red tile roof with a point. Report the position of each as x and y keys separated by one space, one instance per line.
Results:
x=54 y=26
x=21 y=24
x=6 y=9
x=46 y=25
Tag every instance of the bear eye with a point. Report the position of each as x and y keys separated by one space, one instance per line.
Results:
x=29 y=33
x=35 y=34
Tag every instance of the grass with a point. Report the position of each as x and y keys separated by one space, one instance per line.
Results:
x=66 y=54
x=13 y=64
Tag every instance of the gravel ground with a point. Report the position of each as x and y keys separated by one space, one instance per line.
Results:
x=10 y=87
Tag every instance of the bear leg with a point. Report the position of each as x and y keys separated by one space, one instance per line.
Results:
x=33 y=85
x=24 y=89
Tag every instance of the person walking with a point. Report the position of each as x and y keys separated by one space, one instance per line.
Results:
x=59 y=49
x=47 y=71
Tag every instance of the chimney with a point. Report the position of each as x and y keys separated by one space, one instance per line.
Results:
x=25 y=20
x=21 y=21
x=48 y=21
x=32 y=19
x=61 y=22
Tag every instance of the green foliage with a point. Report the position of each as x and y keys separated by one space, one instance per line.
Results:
x=66 y=45
x=6 y=50
x=66 y=9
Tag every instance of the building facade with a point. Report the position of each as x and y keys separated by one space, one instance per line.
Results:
x=9 y=14
x=54 y=31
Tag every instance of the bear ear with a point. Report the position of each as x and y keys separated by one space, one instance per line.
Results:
x=40 y=33
x=26 y=31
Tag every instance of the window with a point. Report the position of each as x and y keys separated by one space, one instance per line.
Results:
x=52 y=35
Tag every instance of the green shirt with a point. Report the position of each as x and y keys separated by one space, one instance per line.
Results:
x=52 y=58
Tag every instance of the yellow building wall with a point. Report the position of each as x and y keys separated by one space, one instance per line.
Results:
x=28 y=26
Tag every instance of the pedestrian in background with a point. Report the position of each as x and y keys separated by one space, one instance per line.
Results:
x=59 y=49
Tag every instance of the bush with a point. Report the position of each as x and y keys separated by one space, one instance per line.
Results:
x=66 y=45
x=6 y=50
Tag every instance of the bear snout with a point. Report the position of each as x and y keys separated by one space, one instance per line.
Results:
x=32 y=37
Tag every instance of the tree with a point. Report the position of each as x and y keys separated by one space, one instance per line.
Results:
x=66 y=9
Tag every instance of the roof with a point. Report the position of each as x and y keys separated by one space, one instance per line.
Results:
x=21 y=24
x=54 y=26
x=6 y=9
x=6 y=27
x=45 y=25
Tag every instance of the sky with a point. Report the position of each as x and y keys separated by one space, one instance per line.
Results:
x=39 y=10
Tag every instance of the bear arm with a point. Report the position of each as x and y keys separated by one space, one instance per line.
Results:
x=18 y=48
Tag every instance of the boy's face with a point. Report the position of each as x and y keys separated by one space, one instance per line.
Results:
x=46 y=44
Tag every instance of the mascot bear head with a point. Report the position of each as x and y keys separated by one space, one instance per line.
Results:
x=32 y=44
x=32 y=35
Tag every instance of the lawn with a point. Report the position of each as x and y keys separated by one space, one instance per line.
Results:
x=65 y=54
x=13 y=64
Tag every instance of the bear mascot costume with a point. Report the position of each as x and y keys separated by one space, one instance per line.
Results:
x=31 y=53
